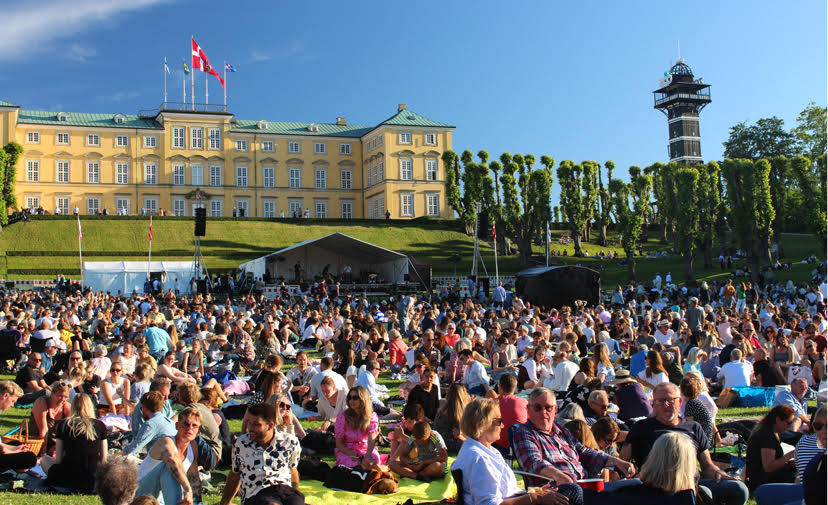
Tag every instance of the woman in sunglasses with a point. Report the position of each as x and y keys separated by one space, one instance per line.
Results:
x=115 y=391
x=285 y=419
x=356 y=430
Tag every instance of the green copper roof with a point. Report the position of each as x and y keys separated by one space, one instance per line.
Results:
x=294 y=128
x=4 y=103
x=86 y=119
x=407 y=117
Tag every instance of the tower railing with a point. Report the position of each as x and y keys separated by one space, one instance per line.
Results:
x=705 y=97
x=183 y=107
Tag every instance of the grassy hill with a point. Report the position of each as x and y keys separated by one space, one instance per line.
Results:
x=45 y=246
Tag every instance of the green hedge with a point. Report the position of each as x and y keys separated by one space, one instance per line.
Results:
x=224 y=253
x=44 y=271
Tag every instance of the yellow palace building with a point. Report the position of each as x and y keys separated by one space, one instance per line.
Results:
x=174 y=159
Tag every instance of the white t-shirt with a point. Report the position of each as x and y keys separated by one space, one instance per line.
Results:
x=664 y=338
x=653 y=380
x=736 y=373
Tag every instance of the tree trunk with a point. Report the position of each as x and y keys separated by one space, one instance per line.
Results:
x=631 y=265
x=602 y=234
x=755 y=269
x=663 y=238
x=576 y=238
x=707 y=252
x=676 y=245
x=469 y=228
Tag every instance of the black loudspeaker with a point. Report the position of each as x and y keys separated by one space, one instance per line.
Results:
x=483 y=227
x=200 y=222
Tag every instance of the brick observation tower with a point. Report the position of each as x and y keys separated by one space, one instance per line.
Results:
x=681 y=97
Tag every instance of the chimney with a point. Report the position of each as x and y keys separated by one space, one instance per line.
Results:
x=401 y=107
x=340 y=121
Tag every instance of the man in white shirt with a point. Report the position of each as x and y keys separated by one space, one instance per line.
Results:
x=563 y=371
x=736 y=372
x=664 y=335
x=523 y=341
x=476 y=379
x=368 y=380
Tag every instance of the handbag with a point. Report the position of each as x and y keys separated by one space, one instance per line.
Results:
x=726 y=398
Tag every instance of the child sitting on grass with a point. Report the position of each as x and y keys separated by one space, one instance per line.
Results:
x=424 y=455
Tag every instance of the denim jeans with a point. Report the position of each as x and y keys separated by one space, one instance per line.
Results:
x=778 y=494
x=726 y=492
x=159 y=481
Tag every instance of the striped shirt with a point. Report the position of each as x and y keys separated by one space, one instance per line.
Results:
x=806 y=449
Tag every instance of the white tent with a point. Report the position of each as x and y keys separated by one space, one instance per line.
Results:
x=126 y=276
x=334 y=251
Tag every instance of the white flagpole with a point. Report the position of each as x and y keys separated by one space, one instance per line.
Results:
x=165 y=79
x=192 y=72
x=80 y=250
x=224 y=73
x=547 y=243
x=497 y=272
x=183 y=86
x=150 y=251
x=206 y=92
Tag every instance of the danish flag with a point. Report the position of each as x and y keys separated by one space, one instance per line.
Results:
x=200 y=62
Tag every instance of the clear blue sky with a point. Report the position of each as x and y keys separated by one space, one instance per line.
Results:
x=569 y=79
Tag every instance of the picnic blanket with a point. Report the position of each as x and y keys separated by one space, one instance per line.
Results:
x=317 y=494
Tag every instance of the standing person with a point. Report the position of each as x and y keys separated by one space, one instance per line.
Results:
x=695 y=318
x=264 y=462
x=499 y=295
x=356 y=430
x=13 y=457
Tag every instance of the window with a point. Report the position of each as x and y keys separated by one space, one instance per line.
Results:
x=295 y=208
x=196 y=175
x=32 y=171
x=33 y=138
x=347 y=210
x=431 y=169
x=430 y=139
x=178 y=207
x=368 y=178
x=375 y=176
x=178 y=175
x=345 y=179
x=405 y=137
x=379 y=140
x=345 y=149
x=151 y=204
x=267 y=146
x=63 y=204
x=321 y=209
x=321 y=178
x=32 y=202
x=93 y=172
x=122 y=205
x=269 y=177
x=294 y=177
x=122 y=173
x=178 y=137
x=63 y=171
x=380 y=175
x=122 y=141
x=150 y=141
x=63 y=139
x=93 y=206
x=433 y=205
x=269 y=208
x=406 y=169
x=319 y=148
x=241 y=145
x=215 y=175
x=241 y=177
x=93 y=139
x=376 y=208
x=216 y=208
x=244 y=207
x=215 y=138
x=407 y=207
x=150 y=173
x=197 y=138
x=293 y=147
x=381 y=206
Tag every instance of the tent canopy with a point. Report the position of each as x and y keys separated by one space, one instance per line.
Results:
x=125 y=276
x=333 y=251
x=559 y=286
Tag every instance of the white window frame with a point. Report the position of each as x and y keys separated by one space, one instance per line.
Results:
x=121 y=140
x=269 y=176
x=215 y=139
x=121 y=172
x=93 y=176
x=407 y=169
x=346 y=179
x=345 y=149
x=32 y=170
x=347 y=209
x=320 y=208
x=432 y=169
x=376 y=208
x=179 y=137
x=215 y=176
x=150 y=141
x=269 y=208
x=151 y=203
x=294 y=177
x=196 y=138
x=93 y=140
x=243 y=203
x=121 y=203
x=294 y=147
x=242 y=145
x=150 y=173
x=433 y=204
x=405 y=138
x=197 y=174
x=32 y=201
x=268 y=146
x=369 y=179
x=179 y=207
x=295 y=206
x=179 y=174
x=63 y=209
x=379 y=140
x=407 y=204
x=93 y=209
x=241 y=176
x=320 y=148
x=216 y=208
x=33 y=137
x=320 y=178
x=430 y=139
x=59 y=138
x=62 y=170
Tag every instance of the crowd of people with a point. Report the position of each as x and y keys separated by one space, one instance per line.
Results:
x=132 y=395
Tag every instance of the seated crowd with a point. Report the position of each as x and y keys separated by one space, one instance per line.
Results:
x=131 y=396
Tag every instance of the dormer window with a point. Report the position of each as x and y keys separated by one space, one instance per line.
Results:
x=313 y=127
x=62 y=116
x=262 y=125
x=119 y=119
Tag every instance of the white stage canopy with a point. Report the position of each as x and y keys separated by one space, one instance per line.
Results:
x=126 y=276
x=335 y=251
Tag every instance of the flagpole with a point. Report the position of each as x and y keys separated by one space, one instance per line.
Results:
x=547 y=242
x=497 y=272
x=206 y=93
x=165 y=80
x=192 y=73
x=224 y=73
x=80 y=250
x=184 y=87
x=150 y=250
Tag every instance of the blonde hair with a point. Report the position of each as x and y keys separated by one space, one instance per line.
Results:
x=671 y=465
x=700 y=379
x=478 y=416
x=457 y=399
x=601 y=355
x=80 y=420
x=281 y=424
x=359 y=420
x=581 y=431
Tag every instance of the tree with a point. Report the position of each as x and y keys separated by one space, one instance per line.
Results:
x=780 y=186
x=629 y=201
x=4 y=217
x=577 y=194
x=556 y=212
x=603 y=214
x=687 y=218
x=813 y=194
x=764 y=139
x=663 y=193
x=709 y=200
x=13 y=151
x=476 y=186
x=810 y=131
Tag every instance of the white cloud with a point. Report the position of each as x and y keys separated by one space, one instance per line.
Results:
x=120 y=96
x=258 y=56
x=81 y=54
x=30 y=28
x=295 y=51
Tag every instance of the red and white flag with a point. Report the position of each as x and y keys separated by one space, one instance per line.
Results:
x=80 y=231
x=494 y=232
x=150 y=232
x=200 y=62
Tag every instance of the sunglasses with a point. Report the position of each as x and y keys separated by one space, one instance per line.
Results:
x=284 y=406
x=353 y=397
x=549 y=408
x=116 y=369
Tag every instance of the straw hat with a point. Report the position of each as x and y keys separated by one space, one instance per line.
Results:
x=623 y=377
